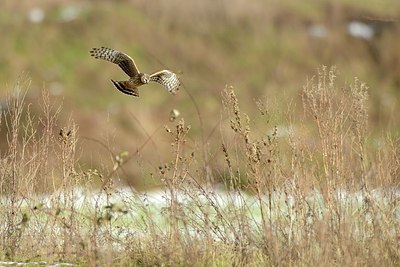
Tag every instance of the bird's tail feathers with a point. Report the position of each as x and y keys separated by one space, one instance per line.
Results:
x=126 y=87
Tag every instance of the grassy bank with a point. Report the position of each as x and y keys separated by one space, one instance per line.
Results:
x=317 y=192
x=266 y=50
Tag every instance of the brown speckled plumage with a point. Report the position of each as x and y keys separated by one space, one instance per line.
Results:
x=166 y=78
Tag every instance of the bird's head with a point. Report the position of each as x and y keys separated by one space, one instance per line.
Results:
x=145 y=78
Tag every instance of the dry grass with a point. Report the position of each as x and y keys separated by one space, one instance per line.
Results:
x=320 y=195
x=306 y=179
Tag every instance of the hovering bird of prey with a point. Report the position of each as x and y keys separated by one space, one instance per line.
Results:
x=166 y=78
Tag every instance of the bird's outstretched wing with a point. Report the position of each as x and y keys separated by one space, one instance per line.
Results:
x=124 y=61
x=168 y=79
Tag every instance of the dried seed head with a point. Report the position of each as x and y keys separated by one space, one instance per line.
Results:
x=167 y=129
x=174 y=113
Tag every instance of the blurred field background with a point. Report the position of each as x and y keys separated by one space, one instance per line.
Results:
x=276 y=158
x=266 y=50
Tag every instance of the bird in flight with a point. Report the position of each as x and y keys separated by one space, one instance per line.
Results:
x=166 y=78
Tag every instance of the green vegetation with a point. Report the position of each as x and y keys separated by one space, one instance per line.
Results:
x=273 y=160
